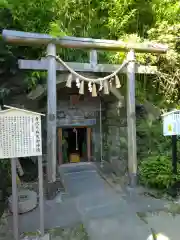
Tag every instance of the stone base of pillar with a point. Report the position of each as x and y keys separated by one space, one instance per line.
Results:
x=132 y=180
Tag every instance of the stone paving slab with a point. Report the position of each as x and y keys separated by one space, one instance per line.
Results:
x=102 y=210
x=79 y=183
x=101 y=204
x=76 y=167
x=118 y=228
x=165 y=223
x=143 y=204
x=55 y=215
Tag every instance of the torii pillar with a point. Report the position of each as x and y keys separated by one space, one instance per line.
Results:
x=51 y=114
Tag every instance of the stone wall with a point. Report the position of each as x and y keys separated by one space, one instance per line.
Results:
x=115 y=137
x=115 y=134
x=114 y=128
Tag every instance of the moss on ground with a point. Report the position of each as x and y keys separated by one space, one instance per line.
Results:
x=72 y=233
x=75 y=233
x=142 y=216
x=174 y=208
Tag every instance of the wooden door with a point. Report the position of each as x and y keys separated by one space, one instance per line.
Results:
x=60 y=157
x=89 y=134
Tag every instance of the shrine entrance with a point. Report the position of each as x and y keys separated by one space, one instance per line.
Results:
x=74 y=144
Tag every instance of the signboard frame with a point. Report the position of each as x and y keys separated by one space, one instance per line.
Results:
x=11 y=120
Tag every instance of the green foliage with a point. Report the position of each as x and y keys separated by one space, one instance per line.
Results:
x=5 y=165
x=98 y=19
x=5 y=173
x=166 y=11
x=3 y=3
x=151 y=133
x=33 y=16
x=150 y=139
x=143 y=58
x=32 y=79
x=168 y=64
x=158 y=21
x=130 y=17
x=156 y=172
x=83 y=18
x=155 y=154
x=4 y=92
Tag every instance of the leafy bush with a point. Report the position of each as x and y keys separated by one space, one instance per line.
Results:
x=150 y=139
x=5 y=176
x=156 y=172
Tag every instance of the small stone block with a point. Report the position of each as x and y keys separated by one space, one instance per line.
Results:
x=45 y=237
x=53 y=189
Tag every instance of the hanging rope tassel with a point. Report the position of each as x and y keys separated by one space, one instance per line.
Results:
x=101 y=86
x=75 y=131
x=69 y=81
x=94 y=91
x=106 y=87
x=117 y=82
x=81 y=89
x=90 y=87
x=110 y=83
x=77 y=83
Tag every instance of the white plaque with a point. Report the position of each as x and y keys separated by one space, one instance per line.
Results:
x=20 y=134
x=171 y=123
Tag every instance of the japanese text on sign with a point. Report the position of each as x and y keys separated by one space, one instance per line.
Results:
x=20 y=135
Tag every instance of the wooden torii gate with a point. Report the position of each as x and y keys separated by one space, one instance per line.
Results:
x=49 y=64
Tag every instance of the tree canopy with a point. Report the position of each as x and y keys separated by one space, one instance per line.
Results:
x=135 y=20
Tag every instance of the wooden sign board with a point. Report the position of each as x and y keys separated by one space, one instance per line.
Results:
x=20 y=133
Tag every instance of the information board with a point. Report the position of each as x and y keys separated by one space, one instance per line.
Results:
x=171 y=123
x=20 y=134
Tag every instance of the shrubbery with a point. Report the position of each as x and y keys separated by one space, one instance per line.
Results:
x=156 y=172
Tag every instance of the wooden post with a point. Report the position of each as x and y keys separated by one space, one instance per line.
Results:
x=60 y=155
x=89 y=144
x=101 y=133
x=51 y=114
x=41 y=195
x=131 y=119
x=15 y=199
x=93 y=58
x=174 y=154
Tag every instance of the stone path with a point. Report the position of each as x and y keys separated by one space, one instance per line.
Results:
x=104 y=213
x=56 y=214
